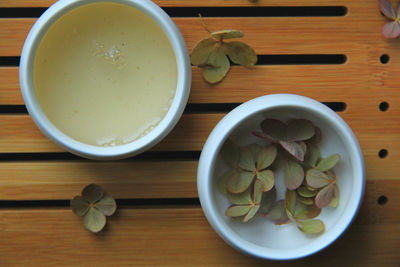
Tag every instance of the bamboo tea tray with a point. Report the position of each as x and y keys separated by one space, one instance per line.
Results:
x=330 y=50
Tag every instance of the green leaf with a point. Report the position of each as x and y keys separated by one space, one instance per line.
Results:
x=241 y=53
x=294 y=149
x=106 y=205
x=305 y=192
x=267 y=200
x=254 y=148
x=216 y=66
x=238 y=183
x=252 y=213
x=317 y=179
x=277 y=214
x=246 y=160
x=92 y=193
x=202 y=51
x=305 y=200
x=294 y=174
x=303 y=147
x=311 y=226
x=312 y=155
x=223 y=180
x=243 y=198
x=79 y=206
x=299 y=130
x=305 y=212
x=267 y=180
x=336 y=196
x=257 y=192
x=290 y=201
x=230 y=153
x=227 y=34
x=94 y=220
x=328 y=163
x=324 y=196
x=266 y=157
x=236 y=211
x=274 y=129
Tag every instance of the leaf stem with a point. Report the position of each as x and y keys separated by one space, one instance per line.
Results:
x=204 y=24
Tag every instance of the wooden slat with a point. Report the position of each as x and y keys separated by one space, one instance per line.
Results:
x=144 y=179
x=318 y=34
x=173 y=237
x=196 y=3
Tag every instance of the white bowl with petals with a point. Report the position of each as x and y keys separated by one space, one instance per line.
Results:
x=260 y=237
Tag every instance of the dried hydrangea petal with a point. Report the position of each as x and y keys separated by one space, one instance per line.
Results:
x=202 y=51
x=216 y=66
x=266 y=157
x=252 y=213
x=239 y=182
x=254 y=148
x=328 y=163
x=223 y=181
x=227 y=34
x=106 y=205
x=317 y=179
x=299 y=130
x=94 y=220
x=277 y=214
x=92 y=193
x=236 y=211
x=267 y=200
x=243 y=198
x=294 y=174
x=387 y=9
x=294 y=149
x=246 y=160
x=230 y=153
x=79 y=206
x=305 y=192
x=267 y=179
x=312 y=155
x=241 y=53
x=274 y=129
x=290 y=201
x=336 y=196
x=324 y=196
x=305 y=212
x=314 y=227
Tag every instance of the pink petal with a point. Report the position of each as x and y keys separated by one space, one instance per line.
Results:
x=387 y=9
x=391 y=29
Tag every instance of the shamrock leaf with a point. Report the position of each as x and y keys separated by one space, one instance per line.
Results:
x=243 y=205
x=328 y=163
x=241 y=53
x=216 y=66
x=227 y=34
x=277 y=214
x=202 y=51
x=93 y=205
x=294 y=174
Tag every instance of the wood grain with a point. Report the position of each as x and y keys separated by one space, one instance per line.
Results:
x=195 y=3
x=138 y=179
x=171 y=237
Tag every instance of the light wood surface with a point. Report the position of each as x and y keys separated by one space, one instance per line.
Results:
x=172 y=236
x=161 y=234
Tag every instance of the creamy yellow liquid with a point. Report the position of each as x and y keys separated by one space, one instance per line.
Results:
x=105 y=74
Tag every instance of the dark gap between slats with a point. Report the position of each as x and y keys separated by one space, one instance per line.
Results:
x=192 y=108
x=10 y=204
x=294 y=11
x=310 y=59
x=63 y=156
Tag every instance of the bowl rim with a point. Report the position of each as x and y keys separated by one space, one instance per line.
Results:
x=174 y=113
x=223 y=130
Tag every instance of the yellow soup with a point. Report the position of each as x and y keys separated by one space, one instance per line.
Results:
x=105 y=74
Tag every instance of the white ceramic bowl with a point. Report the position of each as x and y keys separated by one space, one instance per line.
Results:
x=260 y=237
x=95 y=152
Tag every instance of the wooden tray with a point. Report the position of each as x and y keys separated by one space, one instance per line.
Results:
x=160 y=221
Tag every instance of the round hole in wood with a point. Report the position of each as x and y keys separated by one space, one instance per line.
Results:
x=383 y=106
x=382 y=200
x=383 y=153
x=385 y=58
